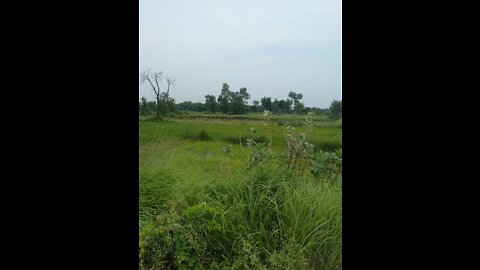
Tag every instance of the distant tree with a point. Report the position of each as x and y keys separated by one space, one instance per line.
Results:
x=200 y=107
x=236 y=103
x=288 y=106
x=336 y=109
x=152 y=106
x=275 y=107
x=170 y=105
x=185 y=106
x=256 y=106
x=266 y=103
x=225 y=98
x=244 y=94
x=297 y=105
x=190 y=106
x=239 y=101
x=321 y=111
x=299 y=108
x=211 y=103
x=153 y=77
x=144 y=106
x=282 y=106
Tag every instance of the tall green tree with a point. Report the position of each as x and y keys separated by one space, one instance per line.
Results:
x=239 y=101
x=225 y=98
x=282 y=106
x=297 y=105
x=211 y=103
x=244 y=94
x=266 y=103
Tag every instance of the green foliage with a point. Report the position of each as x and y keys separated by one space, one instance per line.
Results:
x=328 y=146
x=229 y=102
x=258 y=154
x=167 y=104
x=191 y=106
x=296 y=97
x=147 y=107
x=256 y=106
x=227 y=149
x=336 y=109
x=157 y=243
x=290 y=256
x=282 y=106
x=327 y=164
x=225 y=99
x=144 y=108
x=266 y=103
x=234 y=102
x=211 y=103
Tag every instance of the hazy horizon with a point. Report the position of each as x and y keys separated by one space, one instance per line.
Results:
x=269 y=47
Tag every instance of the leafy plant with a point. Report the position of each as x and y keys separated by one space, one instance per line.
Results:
x=156 y=245
x=259 y=151
x=268 y=122
x=300 y=152
x=258 y=154
x=227 y=149
x=327 y=164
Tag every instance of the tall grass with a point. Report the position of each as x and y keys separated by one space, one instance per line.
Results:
x=258 y=220
x=202 y=209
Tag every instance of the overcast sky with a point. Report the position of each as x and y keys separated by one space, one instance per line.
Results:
x=270 y=47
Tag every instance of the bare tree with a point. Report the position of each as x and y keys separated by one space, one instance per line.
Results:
x=154 y=77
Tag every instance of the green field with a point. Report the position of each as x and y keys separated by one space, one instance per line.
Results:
x=202 y=207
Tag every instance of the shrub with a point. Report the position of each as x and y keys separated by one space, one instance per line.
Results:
x=203 y=136
x=327 y=164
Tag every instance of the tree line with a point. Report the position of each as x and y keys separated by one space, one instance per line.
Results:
x=228 y=102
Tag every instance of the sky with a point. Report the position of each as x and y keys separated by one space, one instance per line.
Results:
x=271 y=47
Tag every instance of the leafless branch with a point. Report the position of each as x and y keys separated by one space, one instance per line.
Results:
x=149 y=76
x=170 y=81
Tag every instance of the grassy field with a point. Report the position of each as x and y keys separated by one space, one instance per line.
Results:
x=202 y=207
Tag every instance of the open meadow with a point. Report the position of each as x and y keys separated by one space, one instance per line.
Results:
x=215 y=195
